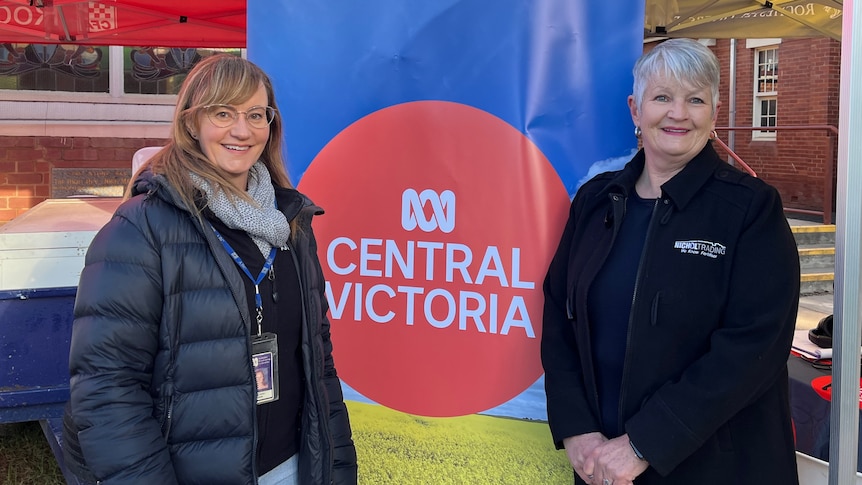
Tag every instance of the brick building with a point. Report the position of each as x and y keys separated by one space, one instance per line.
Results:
x=28 y=163
x=46 y=137
x=800 y=156
x=797 y=161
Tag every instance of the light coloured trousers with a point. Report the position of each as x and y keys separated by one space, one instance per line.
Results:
x=284 y=474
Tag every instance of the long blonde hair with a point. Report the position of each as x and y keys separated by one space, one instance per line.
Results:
x=217 y=79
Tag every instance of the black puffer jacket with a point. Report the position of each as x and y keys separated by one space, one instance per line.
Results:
x=162 y=387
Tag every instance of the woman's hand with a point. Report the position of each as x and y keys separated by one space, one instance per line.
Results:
x=579 y=447
x=615 y=461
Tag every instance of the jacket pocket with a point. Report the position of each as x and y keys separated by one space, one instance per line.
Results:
x=653 y=314
x=73 y=455
x=166 y=408
x=725 y=439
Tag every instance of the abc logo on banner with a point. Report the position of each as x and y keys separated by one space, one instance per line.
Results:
x=440 y=222
x=442 y=210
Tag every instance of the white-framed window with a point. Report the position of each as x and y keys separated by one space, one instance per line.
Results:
x=765 y=107
x=71 y=85
x=98 y=69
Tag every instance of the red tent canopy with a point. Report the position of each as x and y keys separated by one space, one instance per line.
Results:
x=162 y=23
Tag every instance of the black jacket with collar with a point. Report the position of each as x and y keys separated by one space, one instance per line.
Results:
x=704 y=392
x=162 y=387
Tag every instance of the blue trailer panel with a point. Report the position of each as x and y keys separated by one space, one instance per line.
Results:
x=35 y=329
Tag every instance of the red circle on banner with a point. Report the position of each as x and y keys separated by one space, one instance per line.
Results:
x=441 y=220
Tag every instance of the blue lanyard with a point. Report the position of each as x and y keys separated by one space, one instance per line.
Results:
x=266 y=267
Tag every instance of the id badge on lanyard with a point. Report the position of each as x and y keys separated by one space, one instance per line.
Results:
x=264 y=345
x=264 y=358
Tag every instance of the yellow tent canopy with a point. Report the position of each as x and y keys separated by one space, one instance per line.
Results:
x=743 y=18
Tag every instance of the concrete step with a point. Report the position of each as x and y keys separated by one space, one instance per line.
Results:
x=815 y=283
x=817 y=257
x=813 y=235
x=816 y=244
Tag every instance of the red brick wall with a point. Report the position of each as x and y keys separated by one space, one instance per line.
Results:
x=796 y=162
x=26 y=164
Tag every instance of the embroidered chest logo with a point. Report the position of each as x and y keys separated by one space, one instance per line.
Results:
x=701 y=248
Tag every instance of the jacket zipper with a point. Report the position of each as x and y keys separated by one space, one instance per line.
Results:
x=169 y=396
x=169 y=378
x=639 y=275
x=238 y=297
x=618 y=207
x=209 y=237
x=318 y=355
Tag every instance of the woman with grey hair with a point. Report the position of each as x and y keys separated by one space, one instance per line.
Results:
x=671 y=301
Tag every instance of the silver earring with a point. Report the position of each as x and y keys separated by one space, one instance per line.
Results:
x=637 y=131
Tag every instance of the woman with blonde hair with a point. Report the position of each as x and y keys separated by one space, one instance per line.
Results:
x=207 y=275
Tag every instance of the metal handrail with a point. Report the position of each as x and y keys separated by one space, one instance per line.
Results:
x=828 y=187
x=746 y=167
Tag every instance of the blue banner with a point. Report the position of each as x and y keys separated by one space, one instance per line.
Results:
x=444 y=139
x=558 y=71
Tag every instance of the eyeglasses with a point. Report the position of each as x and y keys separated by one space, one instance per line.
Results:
x=224 y=115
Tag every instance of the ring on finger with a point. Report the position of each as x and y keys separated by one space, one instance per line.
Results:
x=606 y=482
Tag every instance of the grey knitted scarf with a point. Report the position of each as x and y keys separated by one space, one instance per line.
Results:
x=263 y=222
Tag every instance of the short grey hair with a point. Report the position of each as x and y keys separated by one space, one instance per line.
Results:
x=684 y=60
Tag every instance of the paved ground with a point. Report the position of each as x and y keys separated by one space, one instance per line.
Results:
x=804 y=222
x=811 y=309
